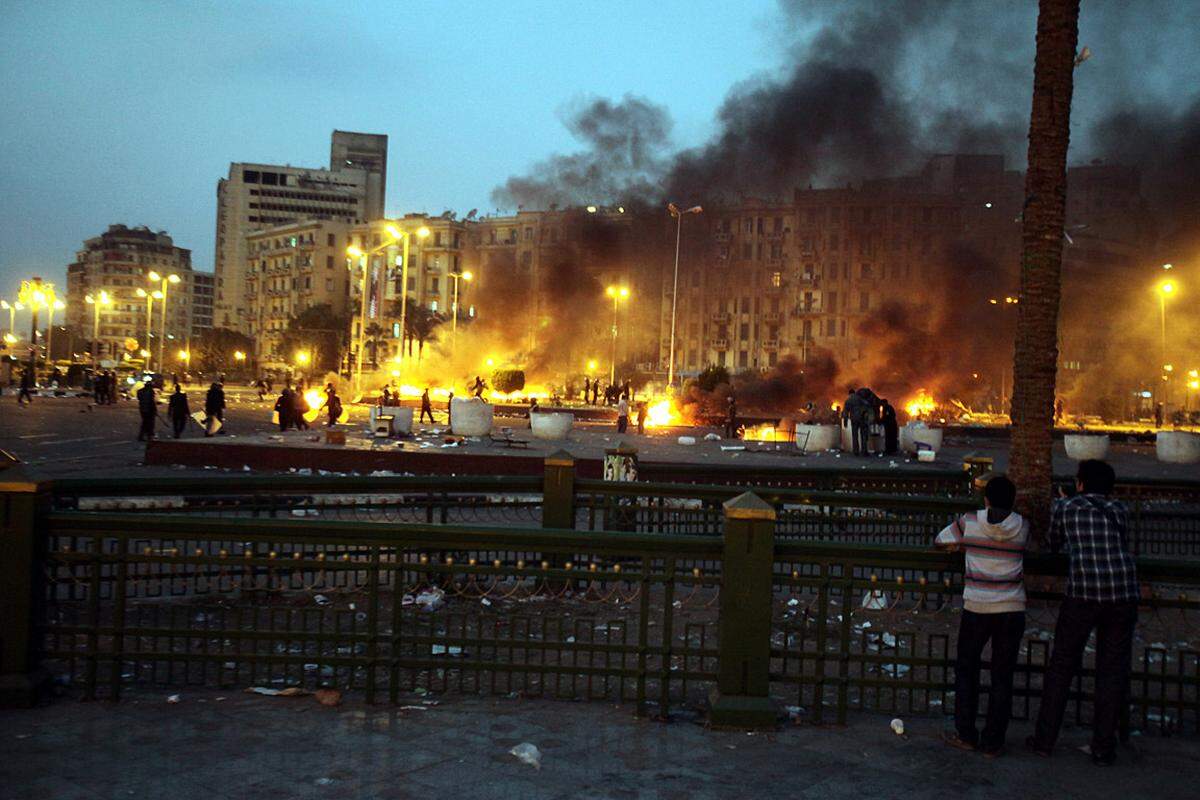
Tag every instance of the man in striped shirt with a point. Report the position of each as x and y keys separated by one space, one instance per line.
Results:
x=993 y=610
x=1102 y=594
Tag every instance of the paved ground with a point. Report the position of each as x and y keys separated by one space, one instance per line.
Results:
x=245 y=746
x=61 y=436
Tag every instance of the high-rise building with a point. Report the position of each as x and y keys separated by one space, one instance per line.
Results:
x=258 y=196
x=119 y=262
x=203 y=293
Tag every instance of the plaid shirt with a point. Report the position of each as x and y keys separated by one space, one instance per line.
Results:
x=1091 y=529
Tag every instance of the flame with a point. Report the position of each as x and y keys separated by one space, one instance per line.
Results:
x=764 y=433
x=921 y=405
x=662 y=413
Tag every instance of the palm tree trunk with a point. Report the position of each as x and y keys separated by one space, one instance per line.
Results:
x=1035 y=360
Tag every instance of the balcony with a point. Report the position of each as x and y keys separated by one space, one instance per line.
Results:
x=770 y=344
x=770 y=316
x=722 y=236
x=808 y=308
x=807 y=277
x=721 y=317
x=720 y=344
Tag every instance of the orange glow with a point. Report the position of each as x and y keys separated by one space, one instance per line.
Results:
x=662 y=413
x=764 y=433
x=920 y=405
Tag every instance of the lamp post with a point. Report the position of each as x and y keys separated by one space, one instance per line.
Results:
x=33 y=295
x=12 y=309
x=1165 y=289
x=617 y=293
x=97 y=302
x=165 y=280
x=54 y=305
x=678 y=215
x=457 y=276
x=150 y=298
x=396 y=233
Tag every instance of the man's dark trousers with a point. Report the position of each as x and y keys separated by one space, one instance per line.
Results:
x=147 y=430
x=1114 y=624
x=1005 y=632
x=859 y=432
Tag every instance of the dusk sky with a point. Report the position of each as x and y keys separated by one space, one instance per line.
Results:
x=129 y=112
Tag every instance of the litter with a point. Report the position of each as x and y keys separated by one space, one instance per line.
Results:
x=429 y=600
x=291 y=691
x=793 y=602
x=323 y=781
x=731 y=447
x=321 y=600
x=528 y=754
x=794 y=711
x=328 y=697
x=687 y=440
x=875 y=600
x=484 y=601
x=712 y=437
x=174 y=698
x=898 y=726
x=414 y=708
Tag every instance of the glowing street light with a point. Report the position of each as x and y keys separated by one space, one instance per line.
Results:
x=617 y=293
x=1166 y=289
x=591 y=365
x=165 y=281
x=678 y=215
x=150 y=298
x=184 y=356
x=238 y=355
x=97 y=301
x=34 y=295
x=12 y=309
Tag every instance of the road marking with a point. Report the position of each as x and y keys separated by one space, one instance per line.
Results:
x=72 y=441
x=36 y=435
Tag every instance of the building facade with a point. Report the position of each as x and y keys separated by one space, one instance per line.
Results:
x=203 y=294
x=254 y=197
x=119 y=262
x=289 y=269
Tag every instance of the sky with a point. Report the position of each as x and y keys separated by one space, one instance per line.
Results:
x=129 y=112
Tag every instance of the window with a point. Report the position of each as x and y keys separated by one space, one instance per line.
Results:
x=864 y=301
x=328 y=262
x=831 y=327
x=833 y=298
x=776 y=279
x=867 y=272
x=747 y=251
x=270 y=179
x=250 y=176
x=745 y=305
x=433 y=306
x=744 y=331
x=433 y=285
x=437 y=239
x=743 y=359
x=528 y=234
x=331 y=240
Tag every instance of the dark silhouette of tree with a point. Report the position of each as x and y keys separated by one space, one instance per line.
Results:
x=1035 y=360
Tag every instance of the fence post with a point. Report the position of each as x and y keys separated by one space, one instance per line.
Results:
x=23 y=503
x=558 y=491
x=741 y=699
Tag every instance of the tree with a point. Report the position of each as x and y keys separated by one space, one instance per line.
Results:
x=1035 y=359
x=419 y=325
x=319 y=332
x=374 y=338
x=711 y=377
x=213 y=349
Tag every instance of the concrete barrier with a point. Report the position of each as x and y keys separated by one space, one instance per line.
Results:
x=402 y=418
x=913 y=434
x=1177 y=447
x=1084 y=446
x=820 y=437
x=470 y=416
x=551 y=424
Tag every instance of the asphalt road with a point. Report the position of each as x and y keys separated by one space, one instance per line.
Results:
x=59 y=436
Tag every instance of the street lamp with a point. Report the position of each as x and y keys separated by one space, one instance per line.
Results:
x=358 y=253
x=302 y=359
x=97 y=302
x=150 y=298
x=1165 y=289
x=678 y=215
x=54 y=305
x=33 y=295
x=617 y=293
x=239 y=356
x=12 y=309
x=457 y=276
x=166 y=280
x=396 y=233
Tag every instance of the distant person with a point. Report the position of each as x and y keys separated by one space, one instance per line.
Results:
x=1158 y=415
x=449 y=410
x=731 y=421
x=333 y=404
x=587 y=388
x=622 y=414
x=891 y=429
x=533 y=406
x=426 y=407
x=385 y=399
x=1102 y=595
x=641 y=422
x=1059 y=407
x=214 y=407
x=261 y=386
x=856 y=412
x=285 y=406
x=147 y=410
x=993 y=610
x=596 y=391
x=300 y=407
x=26 y=393
x=478 y=387
x=177 y=411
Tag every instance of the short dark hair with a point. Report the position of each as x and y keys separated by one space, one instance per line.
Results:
x=1000 y=492
x=1096 y=476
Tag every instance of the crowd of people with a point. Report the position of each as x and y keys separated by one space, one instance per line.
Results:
x=867 y=414
x=1102 y=594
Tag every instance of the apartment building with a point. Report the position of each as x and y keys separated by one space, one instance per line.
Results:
x=255 y=197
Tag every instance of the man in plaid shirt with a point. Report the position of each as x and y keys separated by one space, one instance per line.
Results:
x=1102 y=594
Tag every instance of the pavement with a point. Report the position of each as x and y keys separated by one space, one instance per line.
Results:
x=66 y=436
x=215 y=745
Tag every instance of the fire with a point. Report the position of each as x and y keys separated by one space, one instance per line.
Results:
x=662 y=413
x=921 y=405
x=764 y=433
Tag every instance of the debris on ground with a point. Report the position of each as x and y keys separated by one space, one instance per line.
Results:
x=328 y=697
x=173 y=698
x=291 y=691
x=898 y=726
x=528 y=754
